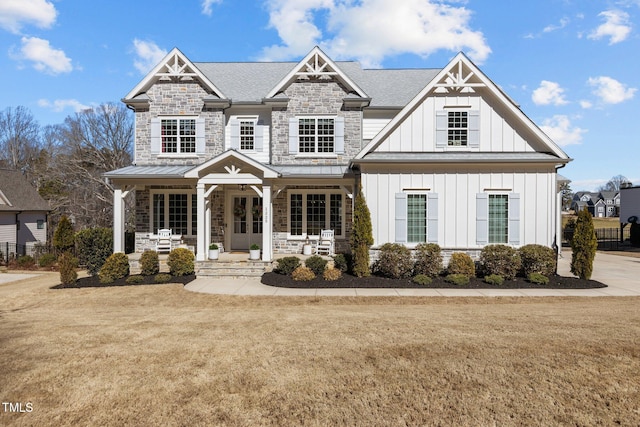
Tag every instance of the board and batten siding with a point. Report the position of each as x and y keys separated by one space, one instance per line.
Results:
x=457 y=192
x=417 y=132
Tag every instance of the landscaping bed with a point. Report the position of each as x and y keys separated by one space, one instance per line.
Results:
x=349 y=281
x=94 y=282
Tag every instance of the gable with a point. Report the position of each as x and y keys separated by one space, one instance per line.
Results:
x=494 y=123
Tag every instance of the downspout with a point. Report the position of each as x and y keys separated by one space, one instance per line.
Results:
x=17 y=231
x=558 y=221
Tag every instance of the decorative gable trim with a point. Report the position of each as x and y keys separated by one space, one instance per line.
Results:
x=240 y=161
x=316 y=65
x=174 y=67
x=460 y=76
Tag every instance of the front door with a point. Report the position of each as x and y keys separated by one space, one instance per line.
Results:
x=246 y=226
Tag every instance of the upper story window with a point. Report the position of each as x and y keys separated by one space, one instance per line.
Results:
x=178 y=135
x=247 y=133
x=457 y=127
x=316 y=136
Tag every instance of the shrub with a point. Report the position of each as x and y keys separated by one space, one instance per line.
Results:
x=361 y=236
x=94 y=246
x=317 y=264
x=303 y=274
x=181 y=262
x=428 y=260
x=537 y=259
x=213 y=247
x=457 y=279
x=67 y=264
x=494 y=279
x=331 y=274
x=136 y=279
x=287 y=264
x=583 y=246
x=114 y=268
x=394 y=261
x=254 y=247
x=502 y=260
x=162 y=278
x=422 y=279
x=149 y=263
x=461 y=263
x=25 y=261
x=537 y=278
x=63 y=239
x=341 y=262
x=47 y=260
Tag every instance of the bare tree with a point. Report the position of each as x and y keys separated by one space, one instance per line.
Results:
x=19 y=133
x=615 y=183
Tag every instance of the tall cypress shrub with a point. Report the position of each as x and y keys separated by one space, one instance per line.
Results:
x=584 y=245
x=361 y=237
x=64 y=237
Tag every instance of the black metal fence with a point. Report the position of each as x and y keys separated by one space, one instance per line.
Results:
x=10 y=251
x=609 y=239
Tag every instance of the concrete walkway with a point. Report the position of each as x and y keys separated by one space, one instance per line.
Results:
x=620 y=273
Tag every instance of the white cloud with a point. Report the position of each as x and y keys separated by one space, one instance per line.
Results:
x=550 y=28
x=609 y=90
x=616 y=27
x=586 y=104
x=60 y=105
x=44 y=57
x=16 y=13
x=149 y=54
x=560 y=130
x=549 y=93
x=372 y=30
x=207 y=6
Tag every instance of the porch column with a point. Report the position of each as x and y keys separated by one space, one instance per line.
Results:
x=118 y=220
x=267 y=220
x=201 y=248
x=207 y=222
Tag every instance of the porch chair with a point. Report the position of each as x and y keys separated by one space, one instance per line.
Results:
x=325 y=243
x=164 y=240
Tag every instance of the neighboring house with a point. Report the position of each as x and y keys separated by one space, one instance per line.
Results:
x=272 y=153
x=23 y=213
x=604 y=204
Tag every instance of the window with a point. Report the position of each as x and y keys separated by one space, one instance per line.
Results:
x=311 y=212
x=40 y=224
x=416 y=218
x=498 y=218
x=457 y=127
x=316 y=135
x=247 y=132
x=176 y=211
x=178 y=135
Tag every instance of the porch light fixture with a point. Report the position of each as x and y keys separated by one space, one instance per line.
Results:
x=242 y=187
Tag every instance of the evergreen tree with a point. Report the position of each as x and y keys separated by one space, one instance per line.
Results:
x=361 y=237
x=64 y=237
x=583 y=245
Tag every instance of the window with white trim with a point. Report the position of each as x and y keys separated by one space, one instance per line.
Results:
x=316 y=135
x=176 y=211
x=312 y=211
x=416 y=218
x=498 y=218
x=178 y=135
x=457 y=128
x=247 y=134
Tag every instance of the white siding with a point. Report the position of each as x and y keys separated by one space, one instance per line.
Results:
x=29 y=228
x=457 y=201
x=7 y=227
x=261 y=156
x=371 y=127
x=417 y=132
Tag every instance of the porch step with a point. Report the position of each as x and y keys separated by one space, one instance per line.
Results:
x=232 y=269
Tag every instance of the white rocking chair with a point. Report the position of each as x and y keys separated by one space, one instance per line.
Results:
x=325 y=243
x=164 y=240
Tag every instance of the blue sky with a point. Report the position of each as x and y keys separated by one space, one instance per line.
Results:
x=572 y=65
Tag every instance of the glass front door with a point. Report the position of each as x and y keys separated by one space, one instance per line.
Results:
x=246 y=228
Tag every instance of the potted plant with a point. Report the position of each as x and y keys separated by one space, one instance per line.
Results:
x=254 y=252
x=214 y=251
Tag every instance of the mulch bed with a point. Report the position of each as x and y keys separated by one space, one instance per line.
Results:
x=94 y=282
x=348 y=281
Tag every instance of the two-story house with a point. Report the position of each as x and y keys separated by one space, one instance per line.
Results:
x=272 y=153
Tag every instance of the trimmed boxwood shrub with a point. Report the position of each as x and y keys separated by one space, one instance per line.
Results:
x=25 y=261
x=287 y=264
x=317 y=264
x=162 y=278
x=303 y=274
x=494 y=279
x=461 y=263
x=537 y=278
x=149 y=263
x=136 y=279
x=458 y=279
x=47 y=260
x=331 y=274
x=428 y=260
x=502 y=260
x=68 y=264
x=422 y=279
x=181 y=262
x=94 y=246
x=114 y=268
x=537 y=259
x=341 y=262
x=394 y=261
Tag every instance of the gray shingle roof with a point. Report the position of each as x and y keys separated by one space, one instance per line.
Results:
x=252 y=81
x=19 y=193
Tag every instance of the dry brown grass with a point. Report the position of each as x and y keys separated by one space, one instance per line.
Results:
x=159 y=355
